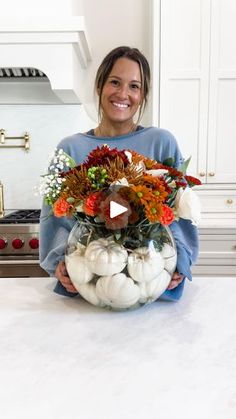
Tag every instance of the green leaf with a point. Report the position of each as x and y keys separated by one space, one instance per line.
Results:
x=169 y=162
x=117 y=235
x=184 y=166
x=71 y=161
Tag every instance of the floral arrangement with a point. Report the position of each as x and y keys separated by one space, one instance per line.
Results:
x=125 y=261
x=150 y=191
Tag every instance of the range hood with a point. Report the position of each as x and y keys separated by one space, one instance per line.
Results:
x=43 y=60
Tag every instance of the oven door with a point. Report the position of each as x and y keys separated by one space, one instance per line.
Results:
x=11 y=267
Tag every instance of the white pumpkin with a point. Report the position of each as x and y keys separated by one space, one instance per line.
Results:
x=88 y=292
x=105 y=256
x=117 y=291
x=150 y=291
x=144 y=264
x=169 y=255
x=77 y=268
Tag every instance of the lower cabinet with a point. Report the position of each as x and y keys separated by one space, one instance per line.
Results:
x=217 y=256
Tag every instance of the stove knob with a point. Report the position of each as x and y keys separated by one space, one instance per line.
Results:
x=17 y=243
x=34 y=243
x=3 y=243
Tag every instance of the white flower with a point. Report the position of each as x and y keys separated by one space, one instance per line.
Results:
x=128 y=155
x=172 y=184
x=79 y=208
x=122 y=182
x=141 y=166
x=117 y=184
x=157 y=172
x=187 y=205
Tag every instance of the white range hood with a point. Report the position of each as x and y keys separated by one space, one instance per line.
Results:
x=55 y=47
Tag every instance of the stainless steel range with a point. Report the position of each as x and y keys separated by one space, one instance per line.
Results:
x=19 y=244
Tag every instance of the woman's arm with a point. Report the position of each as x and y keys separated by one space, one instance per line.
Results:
x=54 y=234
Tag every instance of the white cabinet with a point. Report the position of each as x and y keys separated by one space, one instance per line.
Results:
x=217 y=255
x=197 y=95
x=194 y=96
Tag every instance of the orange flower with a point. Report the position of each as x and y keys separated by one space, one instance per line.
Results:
x=137 y=158
x=61 y=207
x=127 y=193
x=142 y=194
x=167 y=216
x=159 y=187
x=153 y=211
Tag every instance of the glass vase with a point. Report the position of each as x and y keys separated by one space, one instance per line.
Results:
x=122 y=269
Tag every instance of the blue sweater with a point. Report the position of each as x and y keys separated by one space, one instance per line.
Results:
x=153 y=142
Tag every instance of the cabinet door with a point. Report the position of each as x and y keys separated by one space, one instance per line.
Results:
x=184 y=76
x=222 y=100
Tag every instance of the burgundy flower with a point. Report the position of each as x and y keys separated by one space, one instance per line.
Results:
x=103 y=155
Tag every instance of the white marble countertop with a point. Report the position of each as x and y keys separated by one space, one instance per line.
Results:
x=63 y=358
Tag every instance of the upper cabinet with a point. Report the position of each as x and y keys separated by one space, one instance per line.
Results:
x=196 y=99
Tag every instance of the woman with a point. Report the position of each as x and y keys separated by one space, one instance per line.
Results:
x=122 y=84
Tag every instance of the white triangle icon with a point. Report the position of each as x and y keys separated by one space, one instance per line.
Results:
x=116 y=209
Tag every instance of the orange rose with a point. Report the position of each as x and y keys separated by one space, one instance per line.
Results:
x=167 y=215
x=92 y=203
x=61 y=207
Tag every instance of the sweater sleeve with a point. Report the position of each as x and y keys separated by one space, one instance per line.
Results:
x=54 y=234
x=186 y=239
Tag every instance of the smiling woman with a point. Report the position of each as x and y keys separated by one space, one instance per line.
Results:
x=121 y=97
x=122 y=84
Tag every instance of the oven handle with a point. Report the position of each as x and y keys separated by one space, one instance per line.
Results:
x=19 y=262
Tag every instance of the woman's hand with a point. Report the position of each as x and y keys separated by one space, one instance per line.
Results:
x=175 y=280
x=62 y=275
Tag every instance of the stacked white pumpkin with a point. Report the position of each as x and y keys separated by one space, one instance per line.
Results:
x=96 y=272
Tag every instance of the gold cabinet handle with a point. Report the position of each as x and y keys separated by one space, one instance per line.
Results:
x=230 y=201
x=202 y=174
x=211 y=174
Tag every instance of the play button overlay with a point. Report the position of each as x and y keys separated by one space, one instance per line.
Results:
x=116 y=209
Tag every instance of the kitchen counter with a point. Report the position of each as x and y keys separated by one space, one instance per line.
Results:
x=63 y=358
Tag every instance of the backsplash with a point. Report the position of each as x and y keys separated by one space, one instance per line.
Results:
x=46 y=125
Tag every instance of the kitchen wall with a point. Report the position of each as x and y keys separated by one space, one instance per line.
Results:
x=47 y=124
x=41 y=8
x=109 y=24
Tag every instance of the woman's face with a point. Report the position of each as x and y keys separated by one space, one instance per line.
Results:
x=122 y=92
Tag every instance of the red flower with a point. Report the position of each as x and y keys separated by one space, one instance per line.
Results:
x=61 y=207
x=92 y=203
x=167 y=215
x=181 y=184
x=192 y=180
x=172 y=171
x=120 y=221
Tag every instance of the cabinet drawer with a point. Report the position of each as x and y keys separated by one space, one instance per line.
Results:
x=213 y=202
x=218 y=246
x=214 y=270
